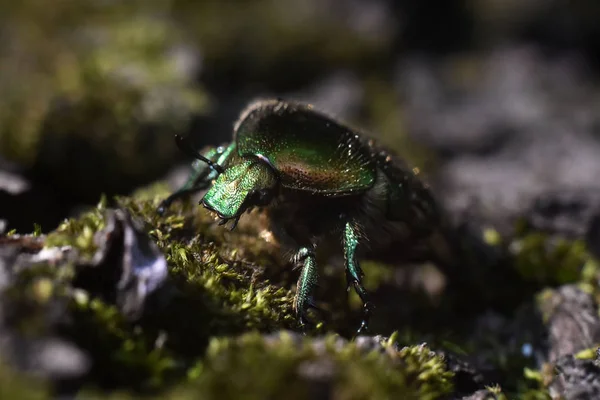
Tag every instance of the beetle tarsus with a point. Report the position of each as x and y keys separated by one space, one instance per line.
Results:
x=160 y=210
x=367 y=311
x=234 y=223
x=166 y=203
x=302 y=316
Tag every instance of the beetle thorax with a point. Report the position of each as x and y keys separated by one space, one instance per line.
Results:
x=245 y=184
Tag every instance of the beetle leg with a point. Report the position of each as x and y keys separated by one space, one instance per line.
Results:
x=354 y=273
x=201 y=176
x=306 y=283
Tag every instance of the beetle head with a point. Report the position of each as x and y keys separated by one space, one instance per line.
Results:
x=246 y=184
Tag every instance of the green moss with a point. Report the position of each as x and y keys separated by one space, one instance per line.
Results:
x=214 y=289
x=101 y=82
x=535 y=394
x=229 y=267
x=125 y=354
x=16 y=386
x=551 y=261
x=587 y=354
x=230 y=371
x=225 y=284
x=80 y=232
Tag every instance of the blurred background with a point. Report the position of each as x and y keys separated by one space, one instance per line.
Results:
x=496 y=101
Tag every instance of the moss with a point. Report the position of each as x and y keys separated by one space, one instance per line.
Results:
x=124 y=354
x=214 y=289
x=296 y=370
x=79 y=233
x=16 y=386
x=230 y=267
x=301 y=368
x=587 y=354
x=552 y=261
x=534 y=385
x=100 y=82
x=224 y=284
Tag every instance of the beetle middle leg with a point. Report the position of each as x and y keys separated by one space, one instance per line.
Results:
x=306 y=259
x=354 y=273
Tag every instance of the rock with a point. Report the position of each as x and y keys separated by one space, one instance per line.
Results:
x=483 y=394
x=568 y=213
x=127 y=267
x=515 y=126
x=31 y=312
x=37 y=294
x=572 y=321
x=576 y=379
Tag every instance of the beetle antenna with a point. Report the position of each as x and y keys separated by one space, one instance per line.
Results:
x=185 y=146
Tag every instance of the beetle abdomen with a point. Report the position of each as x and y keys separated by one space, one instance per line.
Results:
x=408 y=198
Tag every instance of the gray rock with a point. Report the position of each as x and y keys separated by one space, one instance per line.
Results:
x=572 y=321
x=127 y=267
x=509 y=127
x=576 y=379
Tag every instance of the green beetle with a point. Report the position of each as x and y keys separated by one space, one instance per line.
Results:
x=315 y=177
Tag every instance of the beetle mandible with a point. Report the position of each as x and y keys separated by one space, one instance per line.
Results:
x=315 y=177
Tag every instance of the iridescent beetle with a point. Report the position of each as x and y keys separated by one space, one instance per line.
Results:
x=315 y=177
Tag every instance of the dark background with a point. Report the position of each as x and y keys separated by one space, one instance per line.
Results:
x=496 y=100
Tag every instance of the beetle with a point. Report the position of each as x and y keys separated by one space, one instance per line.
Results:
x=316 y=178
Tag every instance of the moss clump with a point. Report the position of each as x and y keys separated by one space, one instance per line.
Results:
x=124 y=354
x=224 y=284
x=231 y=268
x=187 y=342
x=79 y=233
x=213 y=289
x=286 y=366
x=547 y=260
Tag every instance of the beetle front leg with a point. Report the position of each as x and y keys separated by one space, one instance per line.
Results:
x=306 y=259
x=196 y=182
x=354 y=273
x=201 y=176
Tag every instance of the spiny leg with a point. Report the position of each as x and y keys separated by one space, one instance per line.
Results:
x=354 y=273
x=201 y=176
x=307 y=281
